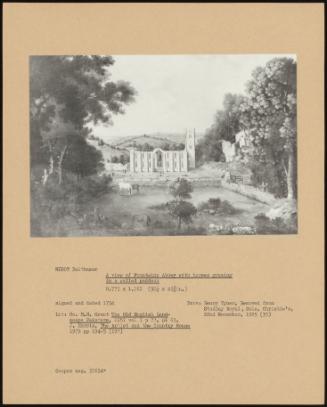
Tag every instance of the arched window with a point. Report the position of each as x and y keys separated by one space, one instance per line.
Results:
x=159 y=159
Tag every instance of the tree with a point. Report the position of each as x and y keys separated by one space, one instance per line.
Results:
x=123 y=159
x=181 y=189
x=183 y=211
x=179 y=208
x=269 y=113
x=67 y=94
x=172 y=146
x=166 y=146
x=228 y=122
x=147 y=147
x=210 y=147
x=82 y=159
x=226 y=125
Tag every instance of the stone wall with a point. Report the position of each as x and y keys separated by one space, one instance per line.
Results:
x=250 y=192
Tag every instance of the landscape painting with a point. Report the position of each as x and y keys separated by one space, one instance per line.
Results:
x=163 y=145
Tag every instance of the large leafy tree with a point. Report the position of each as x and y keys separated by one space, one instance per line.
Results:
x=269 y=113
x=67 y=95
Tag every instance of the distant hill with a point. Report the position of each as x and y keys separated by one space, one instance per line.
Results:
x=119 y=146
x=145 y=139
x=109 y=151
x=154 y=139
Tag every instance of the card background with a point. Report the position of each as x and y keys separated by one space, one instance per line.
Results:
x=279 y=360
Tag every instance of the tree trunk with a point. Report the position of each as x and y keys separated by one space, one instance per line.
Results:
x=51 y=164
x=45 y=176
x=290 y=176
x=60 y=160
x=179 y=223
x=48 y=171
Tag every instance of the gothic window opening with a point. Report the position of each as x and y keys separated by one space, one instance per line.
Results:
x=159 y=159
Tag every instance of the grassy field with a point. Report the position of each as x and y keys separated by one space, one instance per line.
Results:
x=119 y=215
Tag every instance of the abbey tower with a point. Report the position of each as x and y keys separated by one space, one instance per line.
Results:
x=190 y=148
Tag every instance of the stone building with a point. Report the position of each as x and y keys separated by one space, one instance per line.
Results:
x=163 y=161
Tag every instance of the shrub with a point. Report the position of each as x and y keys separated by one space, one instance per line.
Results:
x=266 y=226
x=189 y=231
x=212 y=203
x=160 y=207
x=227 y=208
x=220 y=207
x=54 y=206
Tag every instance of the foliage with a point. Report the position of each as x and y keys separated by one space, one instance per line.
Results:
x=160 y=207
x=189 y=231
x=81 y=158
x=146 y=147
x=212 y=203
x=171 y=146
x=271 y=100
x=67 y=94
x=269 y=112
x=226 y=125
x=122 y=158
x=209 y=148
x=181 y=189
x=179 y=208
x=219 y=207
x=265 y=225
x=166 y=146
x=268 y=175
x=53 y=204
x=182 y=210
x=76 y=88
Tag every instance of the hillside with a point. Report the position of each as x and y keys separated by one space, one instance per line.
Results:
x=109 y=151
x=153 y=140
x=119 y=146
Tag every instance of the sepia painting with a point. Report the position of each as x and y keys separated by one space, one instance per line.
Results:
x=163 y=145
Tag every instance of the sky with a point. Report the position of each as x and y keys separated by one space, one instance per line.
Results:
x=176 y=92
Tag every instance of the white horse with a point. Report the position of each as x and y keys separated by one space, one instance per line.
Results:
x=125 y=187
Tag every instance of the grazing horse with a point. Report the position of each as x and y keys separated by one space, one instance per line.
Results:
x=125 y=187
